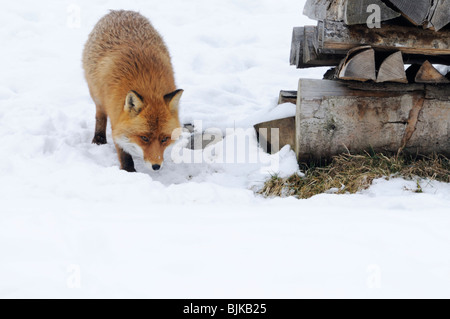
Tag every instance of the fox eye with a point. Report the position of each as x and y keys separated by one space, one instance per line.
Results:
x=145 y=139
x=164 y=140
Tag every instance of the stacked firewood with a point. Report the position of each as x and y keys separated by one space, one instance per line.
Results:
x=373 y=40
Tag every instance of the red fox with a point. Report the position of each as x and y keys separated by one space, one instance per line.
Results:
x=130 y=77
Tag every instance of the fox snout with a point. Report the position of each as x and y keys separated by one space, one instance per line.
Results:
x=154 y=167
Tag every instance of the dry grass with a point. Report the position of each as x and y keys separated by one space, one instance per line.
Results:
x=353 y=173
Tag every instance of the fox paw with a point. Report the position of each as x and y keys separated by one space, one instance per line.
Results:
x=99 y=140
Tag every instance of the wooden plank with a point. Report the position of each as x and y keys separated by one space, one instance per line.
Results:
x=356 y=11
x=392 y=69
x=337 y=38
x=324 y=9
x=415 y=11
x=335 y=116
x=297 y=39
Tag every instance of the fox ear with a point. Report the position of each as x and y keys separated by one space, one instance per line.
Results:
x=133 y=103
x=173 y=100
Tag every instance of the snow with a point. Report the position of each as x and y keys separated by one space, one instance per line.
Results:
x=73 y=225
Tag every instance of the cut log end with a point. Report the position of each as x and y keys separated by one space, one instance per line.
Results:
x=429 y=74
x=359 y=65
x=415 y=11
x=392 y=69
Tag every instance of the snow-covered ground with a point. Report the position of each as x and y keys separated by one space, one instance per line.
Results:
x=73 y=225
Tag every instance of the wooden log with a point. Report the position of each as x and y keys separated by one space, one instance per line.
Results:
x=296 y=45
x=287 y=97
x=439 y=17
x=335 y=116
x=359 y=65
x=324 y=60
x=356 y=11
x=321 y=59
x=307 y=55
x=309 y=52
x=337 y=38
x=310 y=55
x=428 y=74
x=415 y=11
x=286 y=134
x=392 y=69
x=325 y=9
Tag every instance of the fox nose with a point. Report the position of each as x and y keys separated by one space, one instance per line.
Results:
x=156 y=167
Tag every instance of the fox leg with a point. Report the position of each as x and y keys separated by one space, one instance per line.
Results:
x=126 y=161
x=100 y=127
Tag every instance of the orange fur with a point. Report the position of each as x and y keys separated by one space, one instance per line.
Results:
x=124 y=54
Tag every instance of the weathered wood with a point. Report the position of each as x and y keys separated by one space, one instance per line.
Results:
x=324 y=9
x=309 y=53
x=428 y=74
x=335 y=116
x=321 y=59
x=287 y=97
x=392 y=69
x=359 y=65
x=337 y=38
x=356 y=11
x=415 y=11
x=285 y=136
x=296 y=45
x=439 y=17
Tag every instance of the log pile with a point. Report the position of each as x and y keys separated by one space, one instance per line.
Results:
x=409 y=32
x=371 y=99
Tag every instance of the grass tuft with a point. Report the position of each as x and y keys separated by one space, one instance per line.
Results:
x=353 y=173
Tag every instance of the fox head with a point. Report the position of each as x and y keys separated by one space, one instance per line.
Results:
x=146 y=128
